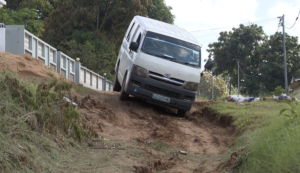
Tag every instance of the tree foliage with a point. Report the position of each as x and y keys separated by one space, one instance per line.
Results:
x=25 y=16
x=157 y=9
x=43 y=7
x=272 y=66
x=91 y=30
x=205 y=87
x=260 y=58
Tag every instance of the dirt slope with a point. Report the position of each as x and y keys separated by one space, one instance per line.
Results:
x=135 y=122
x=140 y=137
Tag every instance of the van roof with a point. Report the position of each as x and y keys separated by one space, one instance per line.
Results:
x=165 y=29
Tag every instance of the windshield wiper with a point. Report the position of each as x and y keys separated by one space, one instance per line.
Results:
x=168 y=57
x=187 y=63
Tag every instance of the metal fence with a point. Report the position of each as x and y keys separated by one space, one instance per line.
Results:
x=20 y=41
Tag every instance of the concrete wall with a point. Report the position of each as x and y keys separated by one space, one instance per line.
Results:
x=2 y=37
x=20 y=41
x=15 y=36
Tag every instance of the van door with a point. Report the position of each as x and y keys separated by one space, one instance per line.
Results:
x=136 y=38
x=124 y=55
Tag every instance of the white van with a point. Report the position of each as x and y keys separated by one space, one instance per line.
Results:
x=158 y=62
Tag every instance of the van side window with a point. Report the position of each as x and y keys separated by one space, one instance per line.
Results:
x=128 y=36
x=137 y=28
x=139 y=39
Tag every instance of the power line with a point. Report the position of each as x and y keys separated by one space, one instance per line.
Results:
x=295 y=30
x=294 y=22
x=247 y=74
x=272 y=78
x=258 y=73
x=262 y=21
x=205 y=35
x=262 y=75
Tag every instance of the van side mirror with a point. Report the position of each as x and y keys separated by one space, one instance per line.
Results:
x=208 y=65
x=134 y=46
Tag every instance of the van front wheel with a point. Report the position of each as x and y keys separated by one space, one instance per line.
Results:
x=181 y=112
x=123 y=94
x=117 y=86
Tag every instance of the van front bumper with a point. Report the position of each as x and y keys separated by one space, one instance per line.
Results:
x=145 y=88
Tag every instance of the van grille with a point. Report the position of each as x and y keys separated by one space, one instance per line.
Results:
x=161 y=78
x=162 y=91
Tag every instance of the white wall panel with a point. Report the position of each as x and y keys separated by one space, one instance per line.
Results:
x=107 y=86
x=94 y=81
x=26 y=41
x=81 y=75
x=100 y=83
x=88 y=78
x=40 y=45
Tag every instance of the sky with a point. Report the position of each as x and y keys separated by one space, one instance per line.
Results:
x=201 y=17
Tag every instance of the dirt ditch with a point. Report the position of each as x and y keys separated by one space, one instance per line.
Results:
x=135 y=123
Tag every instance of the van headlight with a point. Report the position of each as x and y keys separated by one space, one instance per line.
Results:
x=139 y=71
x=193 y=86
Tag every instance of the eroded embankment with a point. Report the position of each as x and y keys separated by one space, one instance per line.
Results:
x=200 y=132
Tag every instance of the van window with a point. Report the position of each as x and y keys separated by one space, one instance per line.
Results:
x=172 y=49
x=128 y=36
x=137 y=28
x=139 y=39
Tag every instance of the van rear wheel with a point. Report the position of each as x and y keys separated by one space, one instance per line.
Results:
x=181 y=112
x=117 y=86
x=123 y=94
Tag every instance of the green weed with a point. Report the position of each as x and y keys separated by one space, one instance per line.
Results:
x=36 y=125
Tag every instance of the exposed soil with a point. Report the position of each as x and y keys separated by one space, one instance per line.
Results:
x=139 y=137
x=200 y=132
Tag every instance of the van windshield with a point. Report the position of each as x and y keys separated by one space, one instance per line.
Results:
x=172 y=49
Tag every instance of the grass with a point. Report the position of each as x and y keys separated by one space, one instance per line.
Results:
x=271 y=139
x=38 y=130
x=249 y=115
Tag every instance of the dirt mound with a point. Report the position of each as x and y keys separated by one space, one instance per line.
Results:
x=25 y=65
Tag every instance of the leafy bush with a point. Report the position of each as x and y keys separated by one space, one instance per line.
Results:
x=277 y=91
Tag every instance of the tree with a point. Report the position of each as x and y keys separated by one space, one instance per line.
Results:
x=92 y=29
x=205 y=86
x=43 y=7
x=240 y=44
x=157 y=9
x=25 y=16
x=272 y=65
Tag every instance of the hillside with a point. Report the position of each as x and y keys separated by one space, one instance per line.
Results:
x=115 y=136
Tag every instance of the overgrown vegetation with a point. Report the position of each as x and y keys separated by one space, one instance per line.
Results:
x=204 y=90
x=249 y=115
x=273 y=145
x=35 y=123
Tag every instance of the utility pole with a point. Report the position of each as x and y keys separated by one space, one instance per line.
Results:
x=212 y=86
x=238 y=66
x=284 y=54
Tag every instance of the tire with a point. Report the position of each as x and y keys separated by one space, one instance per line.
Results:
x=181 y=112
x=123 y=94
x=117 y=87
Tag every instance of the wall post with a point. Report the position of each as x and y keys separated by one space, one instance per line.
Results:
x=77 y=70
